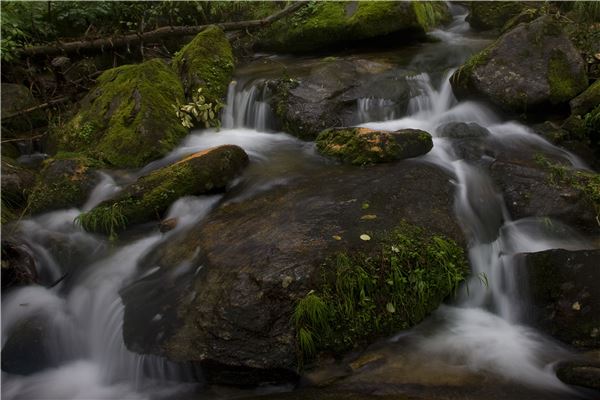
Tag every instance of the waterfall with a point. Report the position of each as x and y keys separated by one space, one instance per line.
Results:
x=375 y=109
x=485 y=328
x=246 y=108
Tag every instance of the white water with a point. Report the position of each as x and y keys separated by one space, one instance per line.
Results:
x=84 y=315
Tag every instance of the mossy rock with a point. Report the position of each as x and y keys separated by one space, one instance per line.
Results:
x=361 y=146
x=17 y=98
x=362 y=296
x=150 y=196
x=493 y=14
x=65 y=181
x=531 y=69
x=321 y=25
x=586 y=101
x=206 y=62
x=127 y=120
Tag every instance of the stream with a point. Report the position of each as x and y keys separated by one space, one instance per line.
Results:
x=483 y=330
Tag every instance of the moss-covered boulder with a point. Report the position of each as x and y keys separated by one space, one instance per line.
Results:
x=493 y=14
x=243 y=269
x=565 y=291
x=65 y=181
x=150 y=196
x=361 y=146
x=586 y=101
x=127 y=120
x=321 y=25
x=206 y=62
x=532 y=68
x=16 y=98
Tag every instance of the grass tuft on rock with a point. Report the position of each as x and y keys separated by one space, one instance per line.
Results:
x=363 y=296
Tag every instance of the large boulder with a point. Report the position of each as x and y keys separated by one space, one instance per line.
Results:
x=127 y=120
x=150 y=196
x=224 y=292
x=329 y=92
x=361 y=146
x=206 y=62
x=565 y=292
x=493 y=14
x=66 y=181
x=323 y=25
x=532 y=68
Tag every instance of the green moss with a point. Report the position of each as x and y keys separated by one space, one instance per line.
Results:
x=127 y=120
x=64 y=182
x=362 y=146
x=461 y=78
x=149 y=197
x=206 y=62
x=564 y=85
x=326 y=24
x=362 y=296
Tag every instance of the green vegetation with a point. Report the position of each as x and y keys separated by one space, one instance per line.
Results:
x=108 y=219
x=493 y=15
x=35 y=22
x=325 y=24
x=199 y=110
x=206 y=62
x=127 y=120
x=362 y=296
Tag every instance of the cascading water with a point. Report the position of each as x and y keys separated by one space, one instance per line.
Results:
x=82 y=315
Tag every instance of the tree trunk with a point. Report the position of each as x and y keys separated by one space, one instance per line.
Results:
x=102 y=44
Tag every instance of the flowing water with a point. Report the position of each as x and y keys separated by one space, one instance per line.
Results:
x=483 y=330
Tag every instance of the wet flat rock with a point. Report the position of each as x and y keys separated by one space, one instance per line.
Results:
x=225 y=290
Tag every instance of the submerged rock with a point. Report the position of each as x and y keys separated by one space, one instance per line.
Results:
x=325 y=25
x=565 y=291
x=462 y=130
x=206 y=62
x=532 y=68
x=224 y=291
x=360 y=146
x=127 y=120
x=582 y=372
x=151 y=195
x=26 y=350
x=65 y=182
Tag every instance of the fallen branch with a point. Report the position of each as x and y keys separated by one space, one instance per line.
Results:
x=39 y=107
x=157 y=34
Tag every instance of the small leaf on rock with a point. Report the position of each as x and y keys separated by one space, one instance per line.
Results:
x=336 y=237
x=368 y=217
x=365 y=237
x=390 y=307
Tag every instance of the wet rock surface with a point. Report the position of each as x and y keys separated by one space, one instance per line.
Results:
x=19 y=266
x=565 y=292
x=229 y=285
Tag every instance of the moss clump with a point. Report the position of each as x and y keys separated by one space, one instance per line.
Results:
x=461 y=79
x=362 y=146
x=586 y=101
x=127 y=120
x=588 y=183
x=206 y=62
x=325 y=24
x=148 y=198
x=65 y=181
x=564 y=84
x=362 y=296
